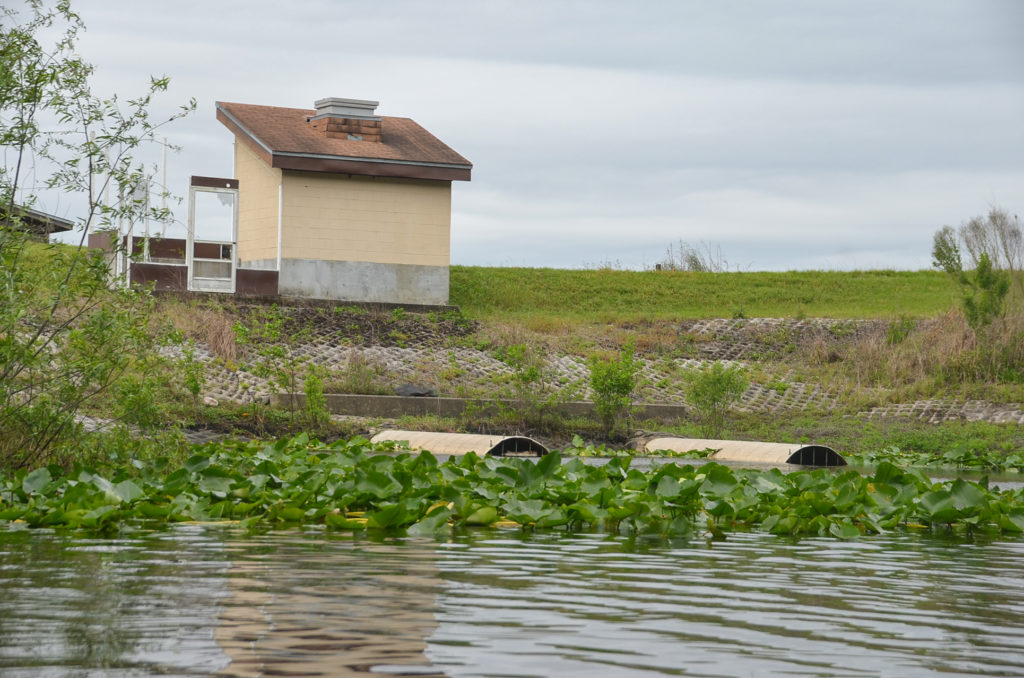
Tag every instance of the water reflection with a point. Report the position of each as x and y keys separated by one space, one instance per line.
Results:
x=320 y=605
x=197 y=600
x=107 y=606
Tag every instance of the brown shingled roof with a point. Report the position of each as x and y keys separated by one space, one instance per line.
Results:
x=285 y=138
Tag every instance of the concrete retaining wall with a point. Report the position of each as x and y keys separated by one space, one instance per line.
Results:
x=390 y=407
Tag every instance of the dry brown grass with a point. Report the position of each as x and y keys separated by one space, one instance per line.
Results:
x=209 y=325
x=547 y=325
x=938 y=355
x=654 y=337
x=503 y=334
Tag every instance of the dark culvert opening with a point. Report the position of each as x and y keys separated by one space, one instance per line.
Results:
x=518 y=446
x=816 y=455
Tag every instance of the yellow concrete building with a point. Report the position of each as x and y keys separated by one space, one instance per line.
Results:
x=344 y=204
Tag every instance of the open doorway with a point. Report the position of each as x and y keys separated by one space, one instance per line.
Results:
x=211 y=248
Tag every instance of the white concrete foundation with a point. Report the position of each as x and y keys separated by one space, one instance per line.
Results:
x=364 y=281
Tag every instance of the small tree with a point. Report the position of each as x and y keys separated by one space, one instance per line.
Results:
x=998 y=236
x=712 y=391
x=65 y=336
x=613 y=381
x=994 y=246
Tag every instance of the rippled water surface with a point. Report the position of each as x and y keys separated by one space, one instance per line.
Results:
x=202 y=600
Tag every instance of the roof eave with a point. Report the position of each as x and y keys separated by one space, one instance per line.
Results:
x=242 y=132
x=337 y=164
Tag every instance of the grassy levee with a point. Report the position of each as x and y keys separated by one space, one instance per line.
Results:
x=616 y=296
x=927 y=351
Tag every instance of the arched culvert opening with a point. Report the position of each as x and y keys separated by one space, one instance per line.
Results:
x=816 y=455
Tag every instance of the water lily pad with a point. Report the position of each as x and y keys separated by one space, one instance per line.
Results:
x=36 y=480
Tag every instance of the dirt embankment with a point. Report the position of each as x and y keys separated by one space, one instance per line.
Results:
x=375 y=350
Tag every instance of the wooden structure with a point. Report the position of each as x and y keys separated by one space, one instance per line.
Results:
x=39 y=225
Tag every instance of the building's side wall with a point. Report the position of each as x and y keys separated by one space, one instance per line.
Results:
x=382 y=220
x=365 y=238
x=258 y=191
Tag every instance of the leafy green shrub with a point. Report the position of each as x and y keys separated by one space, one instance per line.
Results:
x=994 y=246
x=65 y=339
x=613 y=381
x=711 y=391
x=137 y=402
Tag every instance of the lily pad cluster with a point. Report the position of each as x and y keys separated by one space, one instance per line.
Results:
x=356 y=485
x=971 y=455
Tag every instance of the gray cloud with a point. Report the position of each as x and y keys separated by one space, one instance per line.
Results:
x=792 y=134
x=867 y=41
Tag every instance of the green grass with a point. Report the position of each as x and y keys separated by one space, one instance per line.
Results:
x=617 y=296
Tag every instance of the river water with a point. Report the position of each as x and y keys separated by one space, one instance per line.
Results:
x=214 y=600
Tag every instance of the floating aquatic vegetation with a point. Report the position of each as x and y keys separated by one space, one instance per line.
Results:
x=355 y=485
x=970 y=455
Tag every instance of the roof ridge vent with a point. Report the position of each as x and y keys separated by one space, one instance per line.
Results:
x=352 y=119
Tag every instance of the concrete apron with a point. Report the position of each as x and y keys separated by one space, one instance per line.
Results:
x=464 y=443
x=749 y=451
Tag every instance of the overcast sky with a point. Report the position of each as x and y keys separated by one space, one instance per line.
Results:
x=790 y=135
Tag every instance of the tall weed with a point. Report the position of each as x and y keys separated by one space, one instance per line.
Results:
x=362 y=375
x=315 y=410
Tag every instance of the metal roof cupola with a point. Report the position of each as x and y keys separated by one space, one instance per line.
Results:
x=352 y=119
